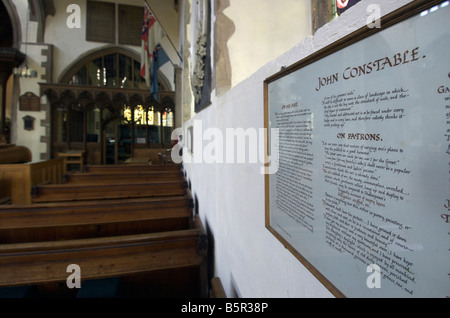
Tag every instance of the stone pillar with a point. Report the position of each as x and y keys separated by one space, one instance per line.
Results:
x=178 y=97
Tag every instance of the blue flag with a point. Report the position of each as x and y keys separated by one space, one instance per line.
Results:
x=159 y=59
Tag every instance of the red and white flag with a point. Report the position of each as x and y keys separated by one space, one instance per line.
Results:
x=152 y=34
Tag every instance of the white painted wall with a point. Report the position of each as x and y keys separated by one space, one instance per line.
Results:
x=249 y=260
x=31 y=139
x=69 y=44
x=264 y=29
x=19 y=136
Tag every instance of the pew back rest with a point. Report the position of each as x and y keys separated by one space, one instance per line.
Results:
x=64 y=221
x=107 y=190
x=133 y=176
x=45 y=262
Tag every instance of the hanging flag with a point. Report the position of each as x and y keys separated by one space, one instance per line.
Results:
x=159 y=59
x=151 y=35
x=148 y=22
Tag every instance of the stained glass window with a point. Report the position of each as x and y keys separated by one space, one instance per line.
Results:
x=139 y=115
x=127 y=114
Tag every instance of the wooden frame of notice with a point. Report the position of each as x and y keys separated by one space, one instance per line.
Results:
x=398 y=16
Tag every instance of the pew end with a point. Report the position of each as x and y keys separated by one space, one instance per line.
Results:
x=217 y=290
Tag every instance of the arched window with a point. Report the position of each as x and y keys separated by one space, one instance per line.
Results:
x=103 y=105
x=111 y=70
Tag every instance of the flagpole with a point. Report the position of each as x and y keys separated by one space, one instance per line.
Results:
x=164 y=30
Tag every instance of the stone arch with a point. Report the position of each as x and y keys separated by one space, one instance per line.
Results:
x=39 y=10
x=10 y=38
x=15 y=22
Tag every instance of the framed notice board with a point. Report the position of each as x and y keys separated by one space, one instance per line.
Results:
x=361 y=195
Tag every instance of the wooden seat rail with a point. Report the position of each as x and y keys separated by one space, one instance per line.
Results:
x=65 y=223
x=68 y=192
x=151 y=176
x=130 y=168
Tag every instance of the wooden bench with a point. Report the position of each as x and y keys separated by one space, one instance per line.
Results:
x=87 y=219
x=107 y=190
x=130 y=168
x=95 y=177
x=128 y=257
x=77 y=157
x=16 y=180
x=137 y=161
x=138 y=238
x=217 y=290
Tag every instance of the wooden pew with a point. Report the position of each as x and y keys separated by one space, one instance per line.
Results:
x=217 y=290
x=140 y=233
x=133 y=176
x=128 y=257
x=12 y=154
x=90 y=219
x=130 y=168
x=16 y=180
x=107 y=190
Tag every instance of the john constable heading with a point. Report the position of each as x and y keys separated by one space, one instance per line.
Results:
x=375 y=66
